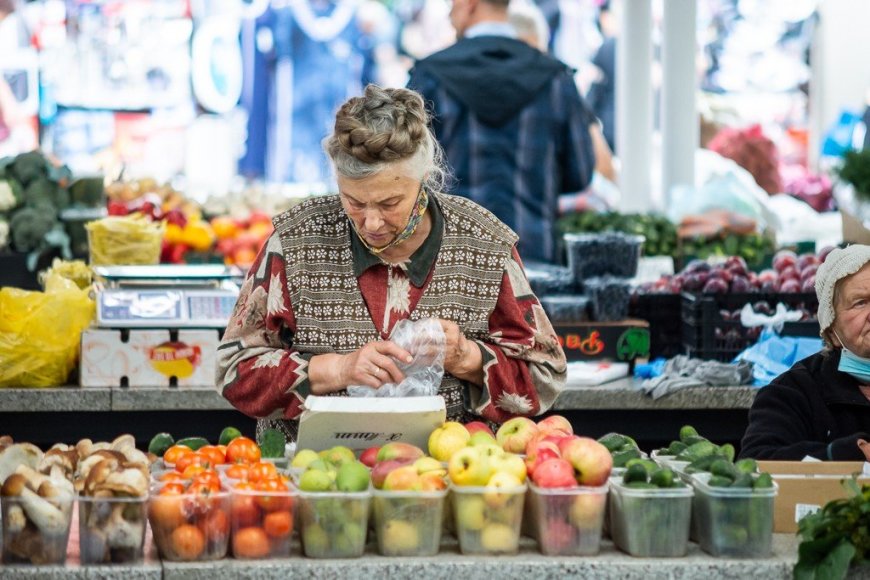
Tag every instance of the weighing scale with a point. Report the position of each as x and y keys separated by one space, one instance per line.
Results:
x=166 y=296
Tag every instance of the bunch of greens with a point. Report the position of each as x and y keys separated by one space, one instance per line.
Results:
x=659 y=233
x=836 y=536
x=856 y=170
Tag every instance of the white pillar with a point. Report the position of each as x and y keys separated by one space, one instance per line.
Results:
x=634 y=103
x=680 y=131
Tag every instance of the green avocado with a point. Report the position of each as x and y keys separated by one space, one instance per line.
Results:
x=195 y=443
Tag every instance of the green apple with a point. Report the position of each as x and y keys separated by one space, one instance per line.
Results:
x=500 y=488
x=469 y=467
x=447 y=439
x=315 y=480
x=497 y=537
x=315 y=540
x=303 y=458
x=352 y=476
x=399 y=537
x=470 y=512
x=482 y=438
x=338 y=455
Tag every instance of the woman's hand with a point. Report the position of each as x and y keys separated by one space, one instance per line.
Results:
x=373 y=365
x=462 y=357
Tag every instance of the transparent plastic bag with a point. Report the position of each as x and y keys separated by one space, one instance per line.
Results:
x=40 y=332
x=424 y=339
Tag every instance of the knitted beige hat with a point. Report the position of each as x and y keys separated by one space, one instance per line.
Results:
x=839 y=264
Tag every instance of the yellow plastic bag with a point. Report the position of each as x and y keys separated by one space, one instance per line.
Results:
x=40 y=332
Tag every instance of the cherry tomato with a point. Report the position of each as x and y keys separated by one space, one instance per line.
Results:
x=243 y=450
x=250 y=543
x=208 y=478
x=192 y=471
x=243 y=508
x=238 y=471
x=171 y=476
x=217 y=456
x=274 y=496
x=172 y=488
x=215 y=526
x=278 y=524
x=188 y=542
x=166 y=512
x=195 y=458
x=175 y=452
x=262 y=471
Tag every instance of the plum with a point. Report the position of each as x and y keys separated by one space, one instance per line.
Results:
x=693 y=282
x=715 y=286
x=783 y=259
x=697 y=265
x=769 y=287
x=823 y=253
x=809 y=285
x=809 y=271
x=789 y=273
x=741 y=284
x=805 y=260
x=790 y=286
x=768 y=276
x=736 y=263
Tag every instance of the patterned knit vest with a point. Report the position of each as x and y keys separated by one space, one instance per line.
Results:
x=331 y=314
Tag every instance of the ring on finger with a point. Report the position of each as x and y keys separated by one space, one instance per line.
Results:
x=377 y=371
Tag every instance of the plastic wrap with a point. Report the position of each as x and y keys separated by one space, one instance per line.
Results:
x=572 y=308
x=608 y=297
x=425 y=340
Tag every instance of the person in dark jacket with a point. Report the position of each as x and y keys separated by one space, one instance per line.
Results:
x=511 y=121
x=821 y=406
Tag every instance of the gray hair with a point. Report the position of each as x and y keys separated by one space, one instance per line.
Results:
x=384 y=127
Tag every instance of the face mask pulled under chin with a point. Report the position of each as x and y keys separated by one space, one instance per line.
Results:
x=852 y=364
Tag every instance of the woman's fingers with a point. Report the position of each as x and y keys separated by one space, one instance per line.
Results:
x=387 y=369
x=392 y=349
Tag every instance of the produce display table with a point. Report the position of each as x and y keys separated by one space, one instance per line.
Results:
x=529 y=564
x=69 y=413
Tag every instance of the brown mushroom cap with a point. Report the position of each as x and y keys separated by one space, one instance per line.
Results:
x=14 y=485
x=65 y=459
x=98 y=474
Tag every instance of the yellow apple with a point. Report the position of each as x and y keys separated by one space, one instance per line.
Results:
x=433 y=481
x=509 y=463
x=425 y=464
x=447 y=439
x=482 y=438
x=399 y=537
x=469 y=467
x=470 y=511
x=587 y=511
x=497 y=537
x=515 y=434
x=304 y=458
x=500 y=488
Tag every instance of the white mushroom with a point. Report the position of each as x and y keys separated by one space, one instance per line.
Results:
x=130 y=481
x=121 y=533
x=85 y=465
x=46 y=516
x=83 y=448
x=122 y=441
x=15 y=520
x=18 y=454
x=33 y=477
x=66 y=460
x=133 y=455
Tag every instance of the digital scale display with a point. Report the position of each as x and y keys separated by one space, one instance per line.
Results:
x=162 y=308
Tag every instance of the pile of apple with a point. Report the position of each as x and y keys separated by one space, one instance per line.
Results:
x=790 y=274
x=334 y=524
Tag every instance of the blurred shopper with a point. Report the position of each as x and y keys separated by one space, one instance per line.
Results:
x=511 y=122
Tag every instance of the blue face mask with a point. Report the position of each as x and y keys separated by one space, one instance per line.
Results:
x=854 y=365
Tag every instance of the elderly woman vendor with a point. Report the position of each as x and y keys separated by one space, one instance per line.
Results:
x=321 y=299
x=821 y=406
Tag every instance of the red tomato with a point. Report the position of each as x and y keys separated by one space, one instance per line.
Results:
x=217 y=456
x=243 y=509
x=250 y=543
x=175 y=452
x=277 y=502
x=195 y=458
x=238 y=471
x=243 y=450
x=278 y=524
x=262 y=471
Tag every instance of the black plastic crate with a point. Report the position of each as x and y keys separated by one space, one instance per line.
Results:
x=662 y=311
x=708 y=334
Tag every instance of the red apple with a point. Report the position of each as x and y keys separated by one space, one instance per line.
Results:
x=383 y=468
x=557 y=537
x=555 y=423
x=370 y=456
x=476 y=426
x=554 y=473
x=539 y=451
x=591 y=460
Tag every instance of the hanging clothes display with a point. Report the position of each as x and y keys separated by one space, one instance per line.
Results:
x=319 y=61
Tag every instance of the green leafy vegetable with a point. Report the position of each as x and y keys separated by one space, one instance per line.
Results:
x=272 y=444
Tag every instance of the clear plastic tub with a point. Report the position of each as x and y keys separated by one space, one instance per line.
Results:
x=408 y=523
x=609 y=297
x=112 y=530
x=733 y=522
x=603 y=254
x=671 y=462
x=488 y=520
x=262 y=523
x=188 y=527
x=334 y=524
x=36 y=530
x=650 y=523
x=568 y=521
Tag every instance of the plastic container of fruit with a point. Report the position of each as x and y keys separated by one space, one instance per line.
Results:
x=488 y=520
x=650 y=523
x=334 y=524
x=733 y=522
x=610 y=253
x=608 y=297
x=568 y=521
x=35 y=529
x=262 y=522
x=112 y=529
x=189 y=527
x=408 y=523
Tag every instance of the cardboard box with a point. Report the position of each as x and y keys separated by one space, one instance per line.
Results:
x=624 y=340
x=806 y=486
x=854 y=230
x=147 y=358
x=362 y=422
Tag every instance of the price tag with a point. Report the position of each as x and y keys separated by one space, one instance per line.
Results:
x=802 y=510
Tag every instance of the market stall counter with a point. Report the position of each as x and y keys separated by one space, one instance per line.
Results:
x=528 y=564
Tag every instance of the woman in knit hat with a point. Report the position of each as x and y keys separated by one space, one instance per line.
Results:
x=821 y=406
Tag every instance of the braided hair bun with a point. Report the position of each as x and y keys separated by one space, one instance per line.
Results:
x=381 y=126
